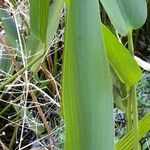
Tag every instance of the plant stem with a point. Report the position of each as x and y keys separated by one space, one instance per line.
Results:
x=130 y=43
x=128 y=114
x=14 y=134
x=129 y=103
x=133 y=99
x=5 y=109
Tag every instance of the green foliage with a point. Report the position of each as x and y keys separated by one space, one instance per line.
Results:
x=87 y=104
x=44 y=23
x=5 y=63
x=127 y=141
x=121 y=60
x=12 y=37
x=86 y=87
x=143 y=88
x=126 y=15
x=55 y=12
x=39 y=18
x=9 y=27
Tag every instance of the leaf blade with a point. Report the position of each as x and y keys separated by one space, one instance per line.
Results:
x=127 y=142
x=39 y=18
x=123 y=13
x=9 y=27
x=85 y=80
x=121 y=59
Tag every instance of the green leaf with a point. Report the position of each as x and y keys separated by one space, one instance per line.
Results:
x=34 y=47
x=42 y=34
x=32 y=44
x=12 y=37
x=127 y=141
x=39 y=18
x=86 y=88
x=117 y=98
x=120 y=92
x=126 y=15
x=55 y=13
x=9 y=27
x=121 y=60
x=5 y=62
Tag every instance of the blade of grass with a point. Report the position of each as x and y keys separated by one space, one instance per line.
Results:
x=55 y=12
x=42 y=34
x=127 y=141
x=39 y=18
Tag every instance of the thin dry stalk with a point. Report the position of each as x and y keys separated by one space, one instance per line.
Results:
x=3 y=145
x=34 y=99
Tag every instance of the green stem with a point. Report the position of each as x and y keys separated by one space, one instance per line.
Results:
x=14 y=134
x=128 y=115
x=5 y=109
x=130 y=43
x=12 y=78
x=133 y=99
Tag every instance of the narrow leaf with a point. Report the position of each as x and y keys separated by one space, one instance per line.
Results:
x=39 y=18
x=127 y=141
x=35 y=42
x=55 y=13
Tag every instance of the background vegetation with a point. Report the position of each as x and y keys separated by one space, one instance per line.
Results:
x=31 y=58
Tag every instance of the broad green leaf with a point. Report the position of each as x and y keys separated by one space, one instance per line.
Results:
x=9 y=27
x=127 y=141
x=12 y=37
x=86 y=88
x=126 y=15
x=39 y=18
x=121 y=60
